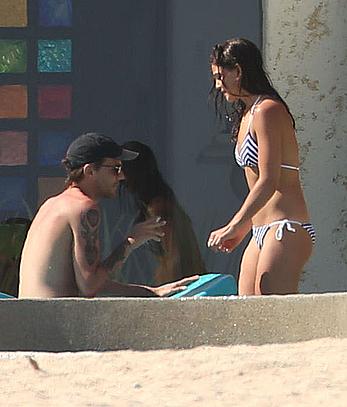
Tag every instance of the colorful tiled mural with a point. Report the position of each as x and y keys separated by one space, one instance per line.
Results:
x=36 y=95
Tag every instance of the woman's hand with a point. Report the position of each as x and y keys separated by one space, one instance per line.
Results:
x=228 y=237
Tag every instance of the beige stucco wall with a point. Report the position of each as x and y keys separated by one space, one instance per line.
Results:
x=305 y=48
x=61 y=325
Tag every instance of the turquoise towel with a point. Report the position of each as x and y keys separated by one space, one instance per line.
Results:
x=210 y=285
x=3 y=295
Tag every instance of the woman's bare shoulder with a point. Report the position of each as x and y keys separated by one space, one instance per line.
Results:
x=272 y=110
x=270 y=106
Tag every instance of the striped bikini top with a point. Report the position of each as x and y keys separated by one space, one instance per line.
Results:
x=247 y=154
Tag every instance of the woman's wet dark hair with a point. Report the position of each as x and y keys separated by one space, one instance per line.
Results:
x=254 y=79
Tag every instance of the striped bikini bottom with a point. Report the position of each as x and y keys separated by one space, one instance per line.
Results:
x=259 y=232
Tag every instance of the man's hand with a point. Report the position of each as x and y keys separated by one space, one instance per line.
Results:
x=176 y=286
x=151 y=229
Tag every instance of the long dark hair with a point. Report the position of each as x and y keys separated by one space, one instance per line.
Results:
x=254 y=78
x=144 y=180
x=142 y=174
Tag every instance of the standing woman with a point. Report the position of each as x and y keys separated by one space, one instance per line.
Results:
x=266 y=147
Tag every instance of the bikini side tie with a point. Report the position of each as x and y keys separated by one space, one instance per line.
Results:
x=281 y=225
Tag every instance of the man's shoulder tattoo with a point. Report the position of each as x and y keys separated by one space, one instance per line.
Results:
x=89 y=223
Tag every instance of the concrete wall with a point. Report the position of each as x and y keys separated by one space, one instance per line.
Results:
x=306 y=56
x=143 y=324
x=201 y=167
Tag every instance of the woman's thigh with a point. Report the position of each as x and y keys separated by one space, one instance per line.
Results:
x=281 y=262
x=248 y=269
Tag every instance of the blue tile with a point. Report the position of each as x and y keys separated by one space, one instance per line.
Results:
x=13 y=191
x=53 y=13
x=54 y=55
x=53 y=146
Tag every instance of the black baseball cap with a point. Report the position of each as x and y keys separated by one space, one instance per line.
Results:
x=92 y=147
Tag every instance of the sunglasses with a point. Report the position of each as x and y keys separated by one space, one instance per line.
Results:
x=117 y=169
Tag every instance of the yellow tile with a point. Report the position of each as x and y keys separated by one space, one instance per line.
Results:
x=13 y=13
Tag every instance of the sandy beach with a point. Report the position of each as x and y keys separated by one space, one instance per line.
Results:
x=309 y=373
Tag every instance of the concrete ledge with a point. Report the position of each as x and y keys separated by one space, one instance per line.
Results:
x=143 y=324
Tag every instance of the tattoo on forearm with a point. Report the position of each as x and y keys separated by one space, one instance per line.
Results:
x=117 y=257
x=89 y=232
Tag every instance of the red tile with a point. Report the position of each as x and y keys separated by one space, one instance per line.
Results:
x=54 y=101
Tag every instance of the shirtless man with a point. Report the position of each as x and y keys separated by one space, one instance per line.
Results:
x=61 y=254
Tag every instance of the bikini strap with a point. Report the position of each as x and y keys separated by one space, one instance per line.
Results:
x=290 y=167
x=252 y=113
x=255 y=104
x=284 y=223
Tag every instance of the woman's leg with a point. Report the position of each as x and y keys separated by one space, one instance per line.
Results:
x=248 y=269
x=281 y=262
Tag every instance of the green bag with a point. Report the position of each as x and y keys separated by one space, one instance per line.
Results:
x=12 y=236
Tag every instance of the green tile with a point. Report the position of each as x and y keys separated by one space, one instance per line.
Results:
x=13 y=56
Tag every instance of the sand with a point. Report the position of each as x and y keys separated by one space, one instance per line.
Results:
x=312 y=373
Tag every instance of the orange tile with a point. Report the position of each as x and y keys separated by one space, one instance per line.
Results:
x=13 y=102
x=13 y=147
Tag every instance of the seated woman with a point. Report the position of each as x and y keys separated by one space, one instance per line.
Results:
x=178 y=253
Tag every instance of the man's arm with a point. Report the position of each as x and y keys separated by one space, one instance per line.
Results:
x=115 y=261
x=92 y=275
x=114 y=289
x=151 y=229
